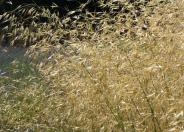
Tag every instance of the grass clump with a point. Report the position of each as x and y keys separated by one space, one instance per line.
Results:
x=108 y=81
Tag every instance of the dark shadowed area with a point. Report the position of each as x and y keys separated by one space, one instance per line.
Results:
x=8 y=55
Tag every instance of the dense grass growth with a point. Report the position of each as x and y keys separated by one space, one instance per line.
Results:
x=125 y=74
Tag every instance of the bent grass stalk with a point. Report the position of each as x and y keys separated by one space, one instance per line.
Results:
x=154 y=118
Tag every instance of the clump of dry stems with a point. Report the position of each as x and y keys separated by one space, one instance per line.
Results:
x=109 y=81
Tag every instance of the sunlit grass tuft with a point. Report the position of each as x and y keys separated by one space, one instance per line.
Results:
x=110 y=82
